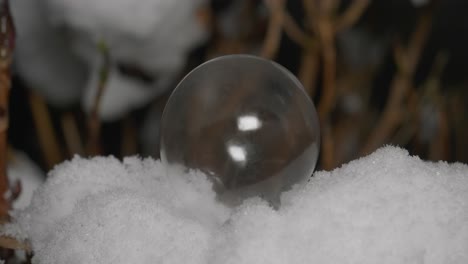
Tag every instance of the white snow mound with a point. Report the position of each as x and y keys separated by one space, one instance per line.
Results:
x=387 y=207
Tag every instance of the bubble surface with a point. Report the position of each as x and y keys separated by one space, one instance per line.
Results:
x=244 y=121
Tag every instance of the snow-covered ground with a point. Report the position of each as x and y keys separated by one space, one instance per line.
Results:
x=387 y=207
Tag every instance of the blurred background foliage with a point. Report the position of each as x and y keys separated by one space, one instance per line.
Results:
x=379 y=72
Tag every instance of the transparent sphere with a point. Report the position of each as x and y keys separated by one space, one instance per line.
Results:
x=244 y=121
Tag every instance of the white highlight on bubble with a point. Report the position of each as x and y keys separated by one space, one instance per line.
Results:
x=237 y=153
x=248 y=123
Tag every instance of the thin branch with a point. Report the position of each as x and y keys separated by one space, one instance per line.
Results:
x=407 y=59
x=327 y=102
x=308 y=70
x=72 y=135
x=418 y=40
x=351 y=15
x=296 y=34
x=311 y=15
x=45 y=130
x=439 y=148
x=320 y=19
x=129 y=137
x=319 y=16
x=273 y=35
x=328 y=147
x=430 y=96
x=7 y=37
x=11 y=243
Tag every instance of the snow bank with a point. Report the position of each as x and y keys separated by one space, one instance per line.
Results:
x=384 y=208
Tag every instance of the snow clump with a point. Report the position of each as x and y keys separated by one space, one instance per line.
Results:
x=388 y=207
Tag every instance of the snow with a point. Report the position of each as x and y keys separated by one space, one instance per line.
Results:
x=42 y=56
x=56 y=50
x=388 y=207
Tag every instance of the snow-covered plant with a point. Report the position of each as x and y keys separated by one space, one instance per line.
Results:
x=148 y=42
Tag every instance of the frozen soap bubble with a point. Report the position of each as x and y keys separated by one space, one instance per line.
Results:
x=244 y=121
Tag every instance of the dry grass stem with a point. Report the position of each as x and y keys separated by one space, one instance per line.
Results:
x=45 y=131
x=129 y=138
x=11 y=243
x=72 y=136
x=94 y=123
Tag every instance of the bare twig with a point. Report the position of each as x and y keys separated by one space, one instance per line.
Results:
x=308 y=70
x=11 y=243
x=410 y=122
x=7 y=40
x=7 y=36
x=129 y=138
x=431 y=97
x=273 y=35
x=418 y=40
x=327 y=101
x=439 y=148
x=351 y=15
x=327 y=155
x=407 y=60
x=326 y=27
x=295 y=33
x=45 y=130
x=72 y=135
x=309 y=65
x=320 y=19
x=94 y=123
